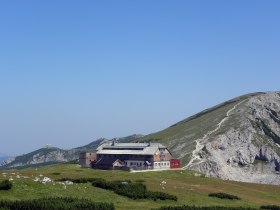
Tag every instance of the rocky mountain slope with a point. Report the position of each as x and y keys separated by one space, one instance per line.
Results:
x=237 y=140
x=3 y=157
x=52 y=155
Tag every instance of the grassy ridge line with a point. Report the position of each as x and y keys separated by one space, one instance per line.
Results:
x=206 y=111
x=180 y=137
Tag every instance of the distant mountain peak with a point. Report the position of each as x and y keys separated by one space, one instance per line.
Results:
x=50 y=155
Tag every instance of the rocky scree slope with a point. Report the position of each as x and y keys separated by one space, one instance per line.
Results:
x=237 y=140
x=53 y=155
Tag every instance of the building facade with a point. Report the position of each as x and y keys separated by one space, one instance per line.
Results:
x=86 y=159
x=136 y=156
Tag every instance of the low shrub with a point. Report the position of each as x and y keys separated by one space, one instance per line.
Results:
x=270 y=207
x=126 y=188
x=224 y=196
x=56 y=173
x=6 y=185
x=132 y=190
x=160 y=196
x=203 y=208
x=56 y=203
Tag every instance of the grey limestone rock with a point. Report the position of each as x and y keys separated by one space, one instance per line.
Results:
x=249 y=150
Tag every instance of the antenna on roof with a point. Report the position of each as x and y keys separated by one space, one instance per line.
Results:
x=114 y=141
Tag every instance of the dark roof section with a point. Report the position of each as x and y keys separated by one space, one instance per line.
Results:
x=106 y=161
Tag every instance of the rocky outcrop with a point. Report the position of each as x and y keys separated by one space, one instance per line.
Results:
x=6 y=160
x=248 y=149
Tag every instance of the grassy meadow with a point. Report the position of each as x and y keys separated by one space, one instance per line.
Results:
x=190 y=188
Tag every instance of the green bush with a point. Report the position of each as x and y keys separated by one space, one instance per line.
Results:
x=56 y=203
x=6 y=185
x=56 y=173
x=132 y=190
x=224 y=196
x=126 y=188
x=270 y=207
x=203 y=208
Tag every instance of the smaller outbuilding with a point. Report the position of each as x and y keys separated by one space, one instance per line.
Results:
x=175 y=163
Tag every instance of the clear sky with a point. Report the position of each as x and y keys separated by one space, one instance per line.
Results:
x=75 y=71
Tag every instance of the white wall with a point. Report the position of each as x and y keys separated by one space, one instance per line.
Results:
x=161 y=164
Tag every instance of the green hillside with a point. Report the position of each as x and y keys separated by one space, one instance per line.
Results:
x=190 y=188
x=180 y=137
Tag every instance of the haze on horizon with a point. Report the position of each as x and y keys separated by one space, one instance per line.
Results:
x=72 y=72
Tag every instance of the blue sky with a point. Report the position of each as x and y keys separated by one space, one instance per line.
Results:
x=74 y=71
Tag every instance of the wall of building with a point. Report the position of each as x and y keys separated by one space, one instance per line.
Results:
x=86 y=158
x=160 y=160
x=162 y=155
x=161 y=165
x=135 y=164
x=126 y=157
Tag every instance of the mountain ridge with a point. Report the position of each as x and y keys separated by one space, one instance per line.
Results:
x=237 y=140
x=53 y=155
